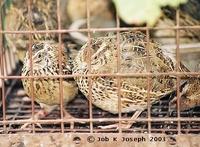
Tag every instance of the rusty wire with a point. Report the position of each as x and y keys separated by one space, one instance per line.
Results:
x=91 y=120
x=2 y=54
x=118 y=69
x=31 y=65
x=177 y=67
x=100 y=30
x=79 y=104
x=60 y=59
x=89 y=65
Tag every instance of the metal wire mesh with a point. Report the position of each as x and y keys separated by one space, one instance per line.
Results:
x=155 y=119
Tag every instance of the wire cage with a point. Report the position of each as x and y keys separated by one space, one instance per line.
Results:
x=157 y=119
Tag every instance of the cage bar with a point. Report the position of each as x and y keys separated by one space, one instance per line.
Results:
x=155 y=120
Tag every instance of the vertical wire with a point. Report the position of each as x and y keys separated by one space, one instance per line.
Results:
x=60 y=60
x=118 y=70
x=31 y=63
x=177 y=67
x=149 y=78
x=2 y=54
x=89 y=56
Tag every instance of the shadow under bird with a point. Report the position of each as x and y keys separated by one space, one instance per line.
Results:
x=134 y=58
x=46 y=91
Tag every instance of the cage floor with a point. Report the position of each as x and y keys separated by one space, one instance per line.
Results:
x=19 y=108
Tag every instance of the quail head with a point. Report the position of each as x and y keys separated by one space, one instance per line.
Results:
x=134 y=58
x=46 y=91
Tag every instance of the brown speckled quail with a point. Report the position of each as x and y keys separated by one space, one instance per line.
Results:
x=190 y=96
x=43 y=17
x=133 y=59
x=46 y=90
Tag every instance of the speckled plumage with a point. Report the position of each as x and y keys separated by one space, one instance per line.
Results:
x=133 y=59
x=190 y=95
x=46 y=63
x=43 y=17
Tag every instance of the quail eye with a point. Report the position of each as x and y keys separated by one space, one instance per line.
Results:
x=39 y=55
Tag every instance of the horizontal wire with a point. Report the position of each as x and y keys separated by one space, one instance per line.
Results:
x=92 y=30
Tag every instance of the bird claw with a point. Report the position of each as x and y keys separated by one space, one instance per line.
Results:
x=124 y=124
x=37 y=116
x=68 y=116
x=72 y=122
x=26 y=125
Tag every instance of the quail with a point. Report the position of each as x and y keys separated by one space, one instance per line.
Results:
x=189 y=97
x=134 y=58
x=46 y=91
x=43 y=17
x=188 y=47
x=188 y=38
